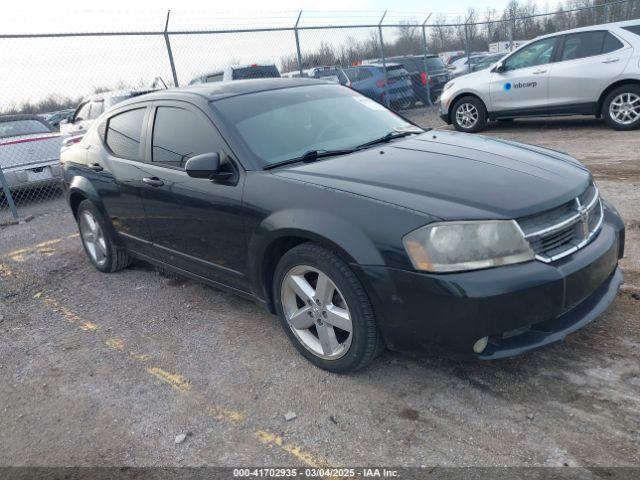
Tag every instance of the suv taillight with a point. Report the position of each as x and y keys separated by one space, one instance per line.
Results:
x=380 y=83
x=423 y=78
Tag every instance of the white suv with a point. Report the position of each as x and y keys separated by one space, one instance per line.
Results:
x=585 y=71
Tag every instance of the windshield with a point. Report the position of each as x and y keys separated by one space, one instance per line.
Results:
x=279 y=125
x=22 y=127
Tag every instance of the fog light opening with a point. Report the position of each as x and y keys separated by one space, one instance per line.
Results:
x=480 y=345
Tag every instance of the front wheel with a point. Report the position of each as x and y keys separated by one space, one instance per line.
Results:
x=469 y=115
x=102 y=251
x=621 y=108
x=325 y=310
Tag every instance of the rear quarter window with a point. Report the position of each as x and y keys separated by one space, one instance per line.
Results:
x=633 y=29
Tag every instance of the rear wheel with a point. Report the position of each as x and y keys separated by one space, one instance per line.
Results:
x=621 y=108
x=325 y=310
x=102 y=251
x=469 y=115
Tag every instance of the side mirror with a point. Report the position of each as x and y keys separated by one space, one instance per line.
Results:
x=499 y=68
x=206 y=166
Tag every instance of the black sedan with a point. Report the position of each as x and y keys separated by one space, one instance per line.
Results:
x=358 y=228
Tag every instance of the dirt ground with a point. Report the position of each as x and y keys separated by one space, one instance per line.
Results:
x=106 y=370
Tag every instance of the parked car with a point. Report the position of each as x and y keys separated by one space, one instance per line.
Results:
x=586 y=71
x=92 y=107
x=238 y=72
x=358 y=228
x=487 y=62
x=29 y=151
x=328 y=72
x=370 y=81
x=56 y=118
x=464 y=65
x=448 y=57
x=435 y=76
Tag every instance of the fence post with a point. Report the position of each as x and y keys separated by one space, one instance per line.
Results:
x=171 y=62
x=426 y=52
x=511 y=30
x=7 y=195
x=295 y=30
x=467 y=45
x=384 y=62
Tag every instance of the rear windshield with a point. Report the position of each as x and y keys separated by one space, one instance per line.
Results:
x=633 y=29
x=258 y=71
x=435 y=63
x=22 y=127
x=331 y=73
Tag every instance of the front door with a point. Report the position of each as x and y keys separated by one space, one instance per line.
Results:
x=196 y=224
x=522 y=87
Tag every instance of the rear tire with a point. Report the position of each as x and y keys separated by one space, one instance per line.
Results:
x=469 y=115
x=97 y=240
x=621 y=108
x=307 y=312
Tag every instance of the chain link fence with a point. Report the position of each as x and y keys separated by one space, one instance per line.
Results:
x=56 y=84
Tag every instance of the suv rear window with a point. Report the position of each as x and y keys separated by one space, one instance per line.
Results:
x=633 y=29
x=257 y=71
x=16 y=128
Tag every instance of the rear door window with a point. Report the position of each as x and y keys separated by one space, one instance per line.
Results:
x=582 y=45
x=178 y=135
x=96 y=109
x=124 y=132
x=83 y=112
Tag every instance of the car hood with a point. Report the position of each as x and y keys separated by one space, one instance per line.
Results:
x=452 y=175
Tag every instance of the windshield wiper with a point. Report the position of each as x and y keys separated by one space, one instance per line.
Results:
x=387 y=138
x=310 y=156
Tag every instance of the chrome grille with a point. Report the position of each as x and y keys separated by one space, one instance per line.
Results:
x=561 y=231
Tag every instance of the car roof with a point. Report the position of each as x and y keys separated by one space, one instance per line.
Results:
x=118 y=93
x=24 y=116
x=220 y=90
x=603 y=26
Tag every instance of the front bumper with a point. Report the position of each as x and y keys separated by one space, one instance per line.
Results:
x=519 y=307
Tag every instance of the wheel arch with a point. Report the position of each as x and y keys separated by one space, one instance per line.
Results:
x=461 y=95
x=610 y=88
x=282 y=231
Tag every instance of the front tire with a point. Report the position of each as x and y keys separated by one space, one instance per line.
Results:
x=325 y=310
x=469 y=115
x=98 y=243
x=621 y=108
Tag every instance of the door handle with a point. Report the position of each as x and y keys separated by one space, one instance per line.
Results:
x=611 y=60
x=153 y=181
x=539 y=72
x=96 y=167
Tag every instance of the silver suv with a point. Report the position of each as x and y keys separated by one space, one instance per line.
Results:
x=585 y=71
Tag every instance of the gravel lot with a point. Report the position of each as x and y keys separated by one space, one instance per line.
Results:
x=108 y=369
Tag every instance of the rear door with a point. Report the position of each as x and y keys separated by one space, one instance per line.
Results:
x=117 y=171
x=196 y=224
x=523 y=86
x=586 y=63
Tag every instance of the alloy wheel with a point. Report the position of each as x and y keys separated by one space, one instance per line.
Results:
x=625 y=108
x=316 y=312
x=93 y=238
x=467 y=115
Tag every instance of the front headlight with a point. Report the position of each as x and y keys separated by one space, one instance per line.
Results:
x=457 y=246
